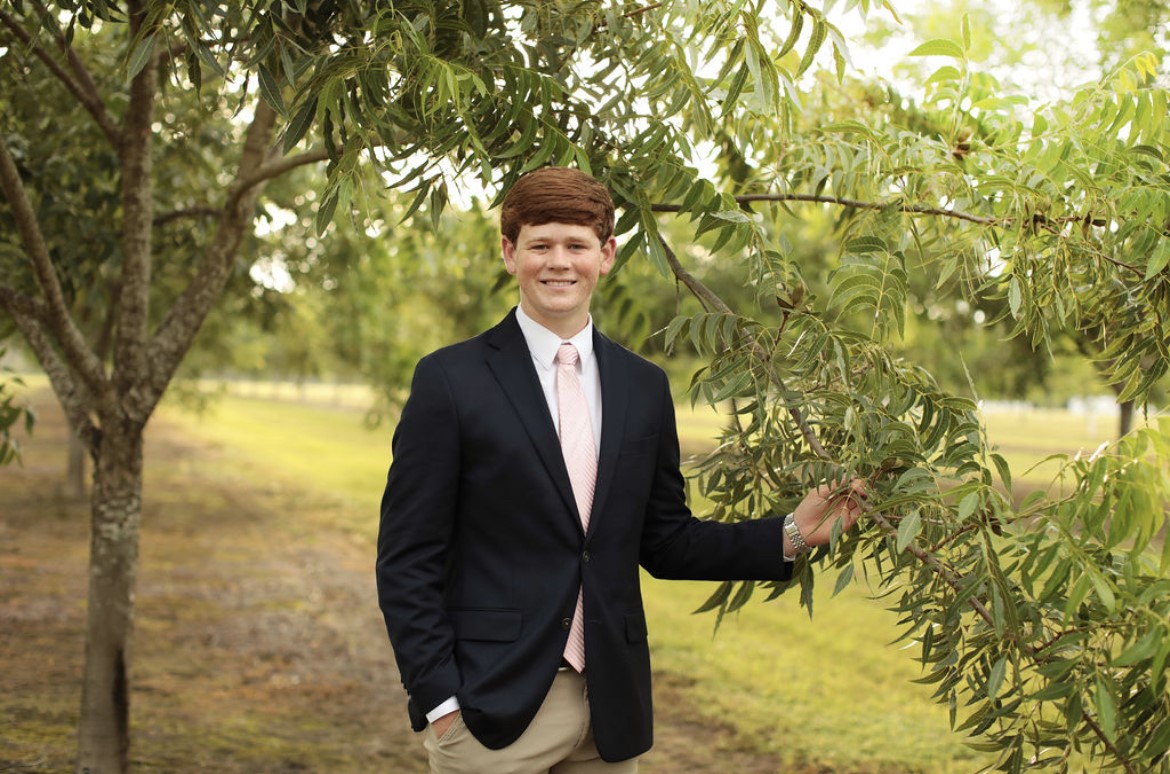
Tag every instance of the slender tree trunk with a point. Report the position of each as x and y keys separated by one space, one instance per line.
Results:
x=75 y=469
x=104 y=739
x=1125 y=418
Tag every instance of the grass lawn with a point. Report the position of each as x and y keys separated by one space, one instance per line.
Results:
x=827 y=693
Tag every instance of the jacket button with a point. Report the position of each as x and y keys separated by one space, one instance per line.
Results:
x=585 y=557
x=566 y=623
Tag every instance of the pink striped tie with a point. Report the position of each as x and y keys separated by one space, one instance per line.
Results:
x=581 y=461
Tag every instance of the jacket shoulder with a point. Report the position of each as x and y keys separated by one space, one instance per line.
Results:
x=637 y=365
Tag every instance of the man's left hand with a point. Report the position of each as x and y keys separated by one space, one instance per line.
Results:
x=825 y=506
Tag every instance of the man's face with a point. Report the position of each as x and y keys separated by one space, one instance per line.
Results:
x=557 y=266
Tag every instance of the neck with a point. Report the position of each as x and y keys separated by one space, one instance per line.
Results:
x=565 y=327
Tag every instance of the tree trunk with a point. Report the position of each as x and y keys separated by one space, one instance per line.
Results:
x=1125 y=418
x=103 y=734
x=75 y=470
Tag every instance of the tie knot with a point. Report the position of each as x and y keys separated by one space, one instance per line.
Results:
x=567 y=354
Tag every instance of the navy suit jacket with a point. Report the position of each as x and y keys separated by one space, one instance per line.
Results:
x=481 y=551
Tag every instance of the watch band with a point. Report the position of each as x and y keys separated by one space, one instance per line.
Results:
x=798 y=542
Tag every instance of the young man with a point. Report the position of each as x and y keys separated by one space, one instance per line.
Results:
x=536 y=467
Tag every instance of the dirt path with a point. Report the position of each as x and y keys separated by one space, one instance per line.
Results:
x=259 y=647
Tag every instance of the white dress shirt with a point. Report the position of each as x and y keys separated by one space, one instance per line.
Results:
x=543 y=345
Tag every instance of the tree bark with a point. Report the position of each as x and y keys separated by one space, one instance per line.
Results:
x=103 y=732
x=1124 y=418
x=75 y=469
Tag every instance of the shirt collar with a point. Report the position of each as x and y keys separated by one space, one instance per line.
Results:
x=543 y=343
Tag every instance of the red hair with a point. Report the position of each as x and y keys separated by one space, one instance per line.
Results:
x=557 y=195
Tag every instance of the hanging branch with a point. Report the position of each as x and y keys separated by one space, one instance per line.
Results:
x=1037 y=219
x=709 y=297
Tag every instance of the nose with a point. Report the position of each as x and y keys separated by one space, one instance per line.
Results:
x=558 y=258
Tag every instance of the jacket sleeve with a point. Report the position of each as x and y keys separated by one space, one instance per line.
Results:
x=678 y=546
x=417 y=522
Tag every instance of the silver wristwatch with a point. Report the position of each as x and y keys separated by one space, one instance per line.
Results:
x=798 y=543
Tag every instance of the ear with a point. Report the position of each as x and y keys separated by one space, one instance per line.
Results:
x=509 y=251
x=608 y=255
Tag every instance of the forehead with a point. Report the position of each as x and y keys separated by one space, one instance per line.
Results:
x=557 y=231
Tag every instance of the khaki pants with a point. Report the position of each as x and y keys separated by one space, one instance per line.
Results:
x=558 y=741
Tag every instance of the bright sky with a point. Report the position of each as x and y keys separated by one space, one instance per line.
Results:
x=1048 y=69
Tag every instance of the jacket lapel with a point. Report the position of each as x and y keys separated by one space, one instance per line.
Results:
x=615 y=390
x=511 y=363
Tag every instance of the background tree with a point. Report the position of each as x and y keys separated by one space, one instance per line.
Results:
x=1044 y=625
x=109 y=375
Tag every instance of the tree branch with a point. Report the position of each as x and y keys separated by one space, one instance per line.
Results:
x=58 y=320
x=174 y=336
x=1038 y=219
x=70 y=393
x=272 y=169
x=710 y=299
x=19 y=303
x=189 y=212
x=914 y=209
x=130 y=365
x=80 y=84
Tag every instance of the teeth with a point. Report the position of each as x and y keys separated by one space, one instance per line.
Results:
x=559 y=283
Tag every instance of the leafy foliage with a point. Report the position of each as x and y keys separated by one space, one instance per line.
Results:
x=13 y=414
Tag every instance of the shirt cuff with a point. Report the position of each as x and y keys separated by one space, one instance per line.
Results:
x=446 y=707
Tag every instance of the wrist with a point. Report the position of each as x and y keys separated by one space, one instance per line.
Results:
x=799 y=544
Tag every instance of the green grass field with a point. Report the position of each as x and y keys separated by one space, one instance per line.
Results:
x=829 y=692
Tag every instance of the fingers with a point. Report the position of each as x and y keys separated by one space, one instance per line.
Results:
x=830 y=503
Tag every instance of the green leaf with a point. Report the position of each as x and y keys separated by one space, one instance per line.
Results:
x=1015 y=296
x=1159 y=258
x=1106 y=708
x=908 y=529
x=325 y=210
x=1159 y=741
x=968 y=505
x=793 y=32
x=673 y=329
x=843 y=580
x=718 y=598
x=995 y=677
x=1103 y=590
x=866 y=244
x=820 y=31
x=270 y=91
x=939 y=47
x=1139 y=651
x=300 y=124
x=141 y=54
x=1005 y=472
x=944 y=73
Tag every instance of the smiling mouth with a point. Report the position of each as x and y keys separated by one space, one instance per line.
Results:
x=559 y=283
